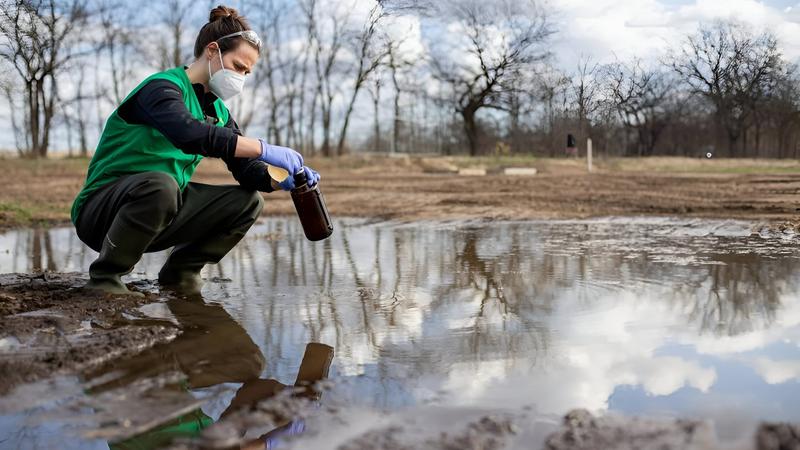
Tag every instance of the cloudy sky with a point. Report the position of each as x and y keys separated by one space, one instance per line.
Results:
x=601 y=29
x=606 y=29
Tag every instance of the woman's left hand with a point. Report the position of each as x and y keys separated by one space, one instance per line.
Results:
x=313 y=176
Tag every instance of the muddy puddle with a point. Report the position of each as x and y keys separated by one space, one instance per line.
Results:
x=445 y=335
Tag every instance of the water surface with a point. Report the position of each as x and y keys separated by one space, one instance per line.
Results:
x=655 y=317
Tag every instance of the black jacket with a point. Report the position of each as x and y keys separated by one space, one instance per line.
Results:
x=159 y=104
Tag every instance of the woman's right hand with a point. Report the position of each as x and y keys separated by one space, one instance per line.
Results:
x=282 y=157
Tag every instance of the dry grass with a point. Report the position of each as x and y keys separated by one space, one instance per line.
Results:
x=403 y=187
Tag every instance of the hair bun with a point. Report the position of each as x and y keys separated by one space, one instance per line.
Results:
x=221 y=12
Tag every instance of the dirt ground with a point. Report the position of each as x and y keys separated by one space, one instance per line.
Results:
x=49 y=326
x=418 y=188
x=52 y=319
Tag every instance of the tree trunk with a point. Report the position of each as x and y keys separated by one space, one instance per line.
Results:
x=326 y=128
x=33 y=117
x=311 y=125
x=757 y=142
x=471 y=130
x=396 y=126
x=343 y=135
x=377 y=124
x=290 y=130
x=176 y=45
x=514 y=126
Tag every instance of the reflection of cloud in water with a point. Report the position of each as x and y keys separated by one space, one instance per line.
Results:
x=593 y=354
x=786 y=327
x=776 y=372
x=549 y=314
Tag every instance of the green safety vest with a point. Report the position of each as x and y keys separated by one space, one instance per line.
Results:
x=186 y=426
x=126 y=148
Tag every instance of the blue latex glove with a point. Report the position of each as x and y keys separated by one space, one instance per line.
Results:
x=287 y=184
x=311 y=175
x=282 y=157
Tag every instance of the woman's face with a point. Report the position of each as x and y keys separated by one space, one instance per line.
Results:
x=240 y=59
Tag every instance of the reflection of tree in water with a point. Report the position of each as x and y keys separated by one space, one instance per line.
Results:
x=428 y=296
x=737 y=294
x=502 y=279
x=403 y=302
x=488 y=292
x=46 y=249
x=42 y=257
x=504 y=285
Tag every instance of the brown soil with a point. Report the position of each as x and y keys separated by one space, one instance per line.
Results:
x=425 y=188
x=580 y=430
x=405 y=189
x=49 y=326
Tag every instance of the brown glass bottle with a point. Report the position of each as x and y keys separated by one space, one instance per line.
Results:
x=311 y=209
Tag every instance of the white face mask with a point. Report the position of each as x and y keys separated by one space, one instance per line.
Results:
x=224 y=83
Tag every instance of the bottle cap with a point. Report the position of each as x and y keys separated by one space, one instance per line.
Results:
x=300 y=178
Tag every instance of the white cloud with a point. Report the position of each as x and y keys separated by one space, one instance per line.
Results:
x=776 y=372
x=406 y=31
x=608 y=29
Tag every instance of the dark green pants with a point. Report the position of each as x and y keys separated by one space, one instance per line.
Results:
x=146 y=212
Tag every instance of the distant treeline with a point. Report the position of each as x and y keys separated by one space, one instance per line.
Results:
x=478 y=80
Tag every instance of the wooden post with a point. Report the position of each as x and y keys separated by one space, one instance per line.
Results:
x=589 y=154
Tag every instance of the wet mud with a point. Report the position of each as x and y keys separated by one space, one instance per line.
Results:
x=50 y=326
x=119 y=369
x=581 y=430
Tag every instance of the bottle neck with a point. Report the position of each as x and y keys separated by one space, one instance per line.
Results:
x=302 y=188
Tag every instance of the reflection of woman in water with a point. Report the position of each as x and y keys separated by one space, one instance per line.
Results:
x=138 y=196
x=213 y=349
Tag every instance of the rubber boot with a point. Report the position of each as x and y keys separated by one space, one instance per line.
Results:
x=186 y=281
x=181 y=271
x=122 y=248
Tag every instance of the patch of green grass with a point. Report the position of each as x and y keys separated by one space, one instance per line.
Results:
x=721 y=169
x=21 y=215
x=15 y=213
x=744 y=169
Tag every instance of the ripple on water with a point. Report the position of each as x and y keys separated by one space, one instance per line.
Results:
x=641 y=316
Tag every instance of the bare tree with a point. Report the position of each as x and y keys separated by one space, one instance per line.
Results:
x=730 y=67
x=298 y=98
x=77 y=104
x=176 y=17
x=369 y=55
x=586 y=90
x=396 y=64
x=640 y=97
x=37 y=43
x=551 y=89
x=476 y=78
x=307 y=134
x=375 y=92
x=784 y=114
x=20 y=135
x=326 y=51
x=118 y=45
x=519 y=98
x=271 y=19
